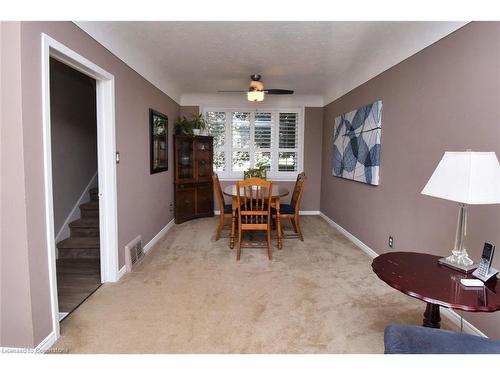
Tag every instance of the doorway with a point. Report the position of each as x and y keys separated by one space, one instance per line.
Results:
x=103 y=194
x=75 y=193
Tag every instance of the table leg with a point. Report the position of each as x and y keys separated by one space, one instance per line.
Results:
x=432 y=316
x=278 y=222
x=234 y=204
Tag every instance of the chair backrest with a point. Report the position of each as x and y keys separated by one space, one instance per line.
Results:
x=254 y=203
x=298 y=191
x=218 y=192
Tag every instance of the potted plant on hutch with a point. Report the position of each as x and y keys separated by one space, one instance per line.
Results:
x=194 y=126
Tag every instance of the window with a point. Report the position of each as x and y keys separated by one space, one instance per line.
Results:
x=288 y=141
x=240 y=140
x=247 y=138
x=216 y=123
x=263 y=139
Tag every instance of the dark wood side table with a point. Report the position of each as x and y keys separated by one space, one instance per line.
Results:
x=419 y=275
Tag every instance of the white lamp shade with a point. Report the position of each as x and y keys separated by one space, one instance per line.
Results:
x=255 y=96
x=466 y=177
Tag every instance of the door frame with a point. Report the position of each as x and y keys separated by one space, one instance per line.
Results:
x=106 y=156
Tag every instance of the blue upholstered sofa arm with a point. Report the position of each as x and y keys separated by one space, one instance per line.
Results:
x=401 y=339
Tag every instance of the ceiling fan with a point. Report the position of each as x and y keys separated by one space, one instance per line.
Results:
x=256 y=91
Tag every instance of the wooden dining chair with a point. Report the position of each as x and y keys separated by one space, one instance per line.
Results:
x=291 y=211
x=226 y=210
x=254 y=211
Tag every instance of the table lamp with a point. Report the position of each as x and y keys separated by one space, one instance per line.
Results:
x=467 y=178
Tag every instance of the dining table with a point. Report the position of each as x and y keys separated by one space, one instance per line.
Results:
x=276 y=193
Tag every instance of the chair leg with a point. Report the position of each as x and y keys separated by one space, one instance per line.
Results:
x=238 y=252
x=280 y=232
x=269 y=246
x=276 y=227
x=299 y=229
x=221 y=225
x=294 y=224
x=233 y=226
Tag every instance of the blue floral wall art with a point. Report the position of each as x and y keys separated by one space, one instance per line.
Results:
x=356 y=144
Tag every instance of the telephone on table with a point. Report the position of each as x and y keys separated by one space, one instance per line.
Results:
x=485 y=272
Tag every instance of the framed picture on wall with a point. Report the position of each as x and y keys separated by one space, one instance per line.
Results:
x=158 y=135
x=356 y=144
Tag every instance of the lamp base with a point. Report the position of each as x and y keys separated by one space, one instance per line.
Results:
x=457 y=266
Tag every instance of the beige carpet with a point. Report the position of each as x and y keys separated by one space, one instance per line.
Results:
x=191 y=296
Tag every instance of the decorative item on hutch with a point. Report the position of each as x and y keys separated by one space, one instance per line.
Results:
x=195 y=125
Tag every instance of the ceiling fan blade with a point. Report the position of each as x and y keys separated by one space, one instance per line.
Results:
x=232 y=91
x=278 y=92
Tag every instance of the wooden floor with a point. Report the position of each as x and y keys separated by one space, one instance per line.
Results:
x=76 y=280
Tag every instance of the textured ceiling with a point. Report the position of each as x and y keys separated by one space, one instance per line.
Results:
x=312 y=58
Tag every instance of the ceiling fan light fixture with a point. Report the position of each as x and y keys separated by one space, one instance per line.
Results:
x=255 y=96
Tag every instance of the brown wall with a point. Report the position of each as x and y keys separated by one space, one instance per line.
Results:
x=143 y=199
x=188 y=111
x=313 y=126
x=16 y=325
x=445 y=98
x=73 y=126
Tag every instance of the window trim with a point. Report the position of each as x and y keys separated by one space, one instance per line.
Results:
x=229 y=175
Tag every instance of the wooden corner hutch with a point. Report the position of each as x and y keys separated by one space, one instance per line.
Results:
x=193 y=159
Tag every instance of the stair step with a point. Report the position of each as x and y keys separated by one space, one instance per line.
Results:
x=94 y=194
x=85 y=223
x=88 y=227
x=89 y=209
x=90 y=206
x=79 y=243
x=79 y=247
x=79 y=253
x=84 y=232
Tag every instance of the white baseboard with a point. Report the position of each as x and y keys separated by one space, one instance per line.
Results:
x=39 y=349
x=74 y=213
x=62 y=315
x=158 y=237
x=467 y=326
x=351 y=237
x=309 y=213
x=449 y=313
x=47 y=342
x=149 y=245
x=303 y=213
x=121 y=272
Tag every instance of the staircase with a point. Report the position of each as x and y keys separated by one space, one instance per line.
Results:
x=78 y=262
x=83 y=241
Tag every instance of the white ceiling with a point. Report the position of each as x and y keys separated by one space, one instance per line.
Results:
x=313 y=58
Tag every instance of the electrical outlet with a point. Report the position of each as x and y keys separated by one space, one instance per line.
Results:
x=171 y=206
x=391 y=242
